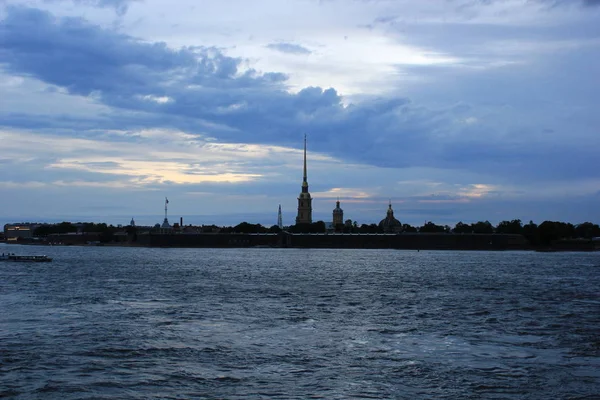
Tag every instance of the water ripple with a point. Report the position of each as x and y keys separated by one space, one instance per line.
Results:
x=297 y=324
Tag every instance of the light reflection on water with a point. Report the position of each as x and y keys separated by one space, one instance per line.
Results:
x=290 y=323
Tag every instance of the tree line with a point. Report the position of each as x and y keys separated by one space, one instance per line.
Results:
x=106 y=232
x=542 y=234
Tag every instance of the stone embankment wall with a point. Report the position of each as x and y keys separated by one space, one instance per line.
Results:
x=419 y=241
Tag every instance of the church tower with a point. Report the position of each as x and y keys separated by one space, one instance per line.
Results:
x=338 y=214
x=304 y=201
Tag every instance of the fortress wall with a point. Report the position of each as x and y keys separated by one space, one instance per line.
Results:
x=208 y=240
x=414 y=241
x=421 y=241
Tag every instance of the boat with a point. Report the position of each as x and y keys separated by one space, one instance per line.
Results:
x=15 y=258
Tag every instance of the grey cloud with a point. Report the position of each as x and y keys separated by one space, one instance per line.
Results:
x=83 y=58
x=289 y=48
x=206 y=87
x=37 y=170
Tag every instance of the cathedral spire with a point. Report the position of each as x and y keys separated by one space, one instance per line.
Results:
x=279 y=218
x=304 y=200
x=305 y=179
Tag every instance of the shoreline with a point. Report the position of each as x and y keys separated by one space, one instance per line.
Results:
x=242 y=244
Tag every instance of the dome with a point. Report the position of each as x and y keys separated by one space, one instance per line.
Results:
x=337 y=209
x=390 y=223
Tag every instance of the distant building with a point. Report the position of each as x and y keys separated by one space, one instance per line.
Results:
x=338 y=214
x=390 y=224
x=16 y=231
x=304 y=200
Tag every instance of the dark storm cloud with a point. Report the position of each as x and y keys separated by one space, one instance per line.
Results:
x=194 y=87
x=290 y=48
x=83 y=58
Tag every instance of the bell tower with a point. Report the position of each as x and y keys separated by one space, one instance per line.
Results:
x=304 y=200
x=338 y=214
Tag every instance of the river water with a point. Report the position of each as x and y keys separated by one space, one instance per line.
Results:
x=139 y=323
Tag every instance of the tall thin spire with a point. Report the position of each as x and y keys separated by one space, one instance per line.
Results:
x=304 y=200
x=305 y=177
x=279 y=218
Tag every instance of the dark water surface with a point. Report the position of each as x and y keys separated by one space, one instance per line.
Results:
x=137 y=323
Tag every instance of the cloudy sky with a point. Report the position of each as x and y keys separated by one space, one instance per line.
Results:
x=455 y=110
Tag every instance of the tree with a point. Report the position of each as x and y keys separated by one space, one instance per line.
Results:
x=88 y=227
x=65 y=227
x=349 y=226
x=511 y=227
x=48 y=229
x=462 y=228
x=274 y=229
x=587 y=230
x=483 y=227
x=371 y=228
x=225 y=229
x=318 y=227
x=245 y=227
x=531 y=233
x=43 y=230
x=430 y=227
x=409 y=228
x=550 y=231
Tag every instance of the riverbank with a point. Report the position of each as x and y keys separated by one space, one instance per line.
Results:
x=406 y=241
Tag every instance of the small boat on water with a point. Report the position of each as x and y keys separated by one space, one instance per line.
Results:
x=15 y=258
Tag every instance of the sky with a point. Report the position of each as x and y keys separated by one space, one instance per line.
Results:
x=453 y=110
